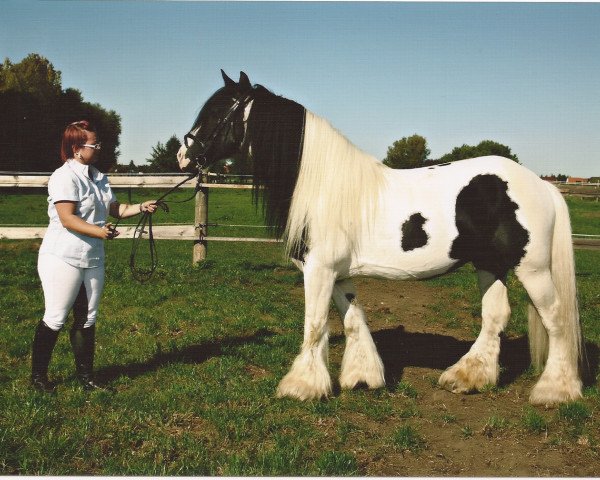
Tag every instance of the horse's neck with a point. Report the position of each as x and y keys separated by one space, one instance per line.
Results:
x=337 y=188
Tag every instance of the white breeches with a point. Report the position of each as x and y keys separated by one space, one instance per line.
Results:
x=62 y=283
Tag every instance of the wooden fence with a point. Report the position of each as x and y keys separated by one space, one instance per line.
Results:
x=197 y=232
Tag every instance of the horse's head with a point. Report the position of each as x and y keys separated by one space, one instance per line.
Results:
x=218 y=132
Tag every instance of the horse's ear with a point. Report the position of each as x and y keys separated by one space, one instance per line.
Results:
x=244 y=82
x=228 y=81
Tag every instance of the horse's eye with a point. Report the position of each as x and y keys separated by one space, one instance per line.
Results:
x=188 y=140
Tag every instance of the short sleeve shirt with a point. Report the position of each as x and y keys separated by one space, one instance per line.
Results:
x=89 y=188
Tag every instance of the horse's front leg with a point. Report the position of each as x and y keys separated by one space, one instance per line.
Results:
x=308 y=378
x=479 y=367
x=361 y=362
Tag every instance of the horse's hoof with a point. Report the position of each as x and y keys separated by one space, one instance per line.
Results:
x=549 y=392
x=348 y=382
x=468 y=375
x=299 y=389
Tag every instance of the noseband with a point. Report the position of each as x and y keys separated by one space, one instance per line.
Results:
x=200 y=159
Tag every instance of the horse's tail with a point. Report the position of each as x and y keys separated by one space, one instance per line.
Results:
x=563 y=277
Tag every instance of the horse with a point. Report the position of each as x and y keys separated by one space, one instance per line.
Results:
x=342 y=213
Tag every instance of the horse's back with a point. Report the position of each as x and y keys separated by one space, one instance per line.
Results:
x=485 y=210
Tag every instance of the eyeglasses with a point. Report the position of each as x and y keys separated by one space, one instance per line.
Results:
x=97 y=146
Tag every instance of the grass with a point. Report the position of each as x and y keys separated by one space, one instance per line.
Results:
x=195 y=357
x=407 y=438
x=495 y=425
x=576 y=415
x=533 y=421
x=407 y=390
x=585 y=216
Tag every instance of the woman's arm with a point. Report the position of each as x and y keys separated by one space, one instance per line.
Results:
x=125 y=210
x=66 y=213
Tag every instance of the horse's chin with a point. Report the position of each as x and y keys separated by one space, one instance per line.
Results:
x=185 y=165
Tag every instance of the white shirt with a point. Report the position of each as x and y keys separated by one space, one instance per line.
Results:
x=88 y=187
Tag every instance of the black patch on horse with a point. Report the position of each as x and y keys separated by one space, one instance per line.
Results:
x=413 y=235
x=489 y=234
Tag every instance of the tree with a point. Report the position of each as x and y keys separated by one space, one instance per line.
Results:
x=34 y=110
x=486 y=147
x=164 y=157
x=408 y=152
x=34 y=75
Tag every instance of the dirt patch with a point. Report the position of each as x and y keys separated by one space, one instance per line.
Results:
x=481 y=434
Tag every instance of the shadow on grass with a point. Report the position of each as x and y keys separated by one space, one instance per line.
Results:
x=400 y=349
x=191 y=354
x=397 y=348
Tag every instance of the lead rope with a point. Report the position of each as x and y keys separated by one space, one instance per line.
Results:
x=145 y=226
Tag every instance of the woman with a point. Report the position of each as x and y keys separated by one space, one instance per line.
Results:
x=71 y=257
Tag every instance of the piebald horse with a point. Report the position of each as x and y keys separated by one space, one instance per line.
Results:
x=343 y=214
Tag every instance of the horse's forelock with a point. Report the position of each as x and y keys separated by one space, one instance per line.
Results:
x=215 y=97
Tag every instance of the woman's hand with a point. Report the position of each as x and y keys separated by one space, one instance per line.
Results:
x=109 y=232
x=149 y=206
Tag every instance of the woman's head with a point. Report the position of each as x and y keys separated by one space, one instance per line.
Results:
x=79 y=141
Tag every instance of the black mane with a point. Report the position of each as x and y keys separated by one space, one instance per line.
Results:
x=275 y=136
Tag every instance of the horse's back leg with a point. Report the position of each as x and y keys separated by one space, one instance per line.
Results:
x=308 y=377
x=548 y=274
x=479 y=366
x=361 y=362
x=559 y=381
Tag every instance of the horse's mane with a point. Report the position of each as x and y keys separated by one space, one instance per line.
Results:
x=274 y=139
x=316 y=185
x=336 y=192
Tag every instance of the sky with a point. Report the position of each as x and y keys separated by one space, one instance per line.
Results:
x=526 y=75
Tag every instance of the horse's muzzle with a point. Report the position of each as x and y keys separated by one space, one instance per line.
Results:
x=183 y=161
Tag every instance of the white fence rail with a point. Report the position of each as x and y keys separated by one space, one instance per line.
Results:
x=117 y=180
x=163 y=232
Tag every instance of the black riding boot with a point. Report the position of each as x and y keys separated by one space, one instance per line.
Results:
x=44 y=341
x=83 y=344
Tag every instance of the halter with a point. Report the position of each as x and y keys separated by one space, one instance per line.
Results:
x=200 y=159
x=145 y=226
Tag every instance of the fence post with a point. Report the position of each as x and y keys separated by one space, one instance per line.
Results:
x=201 y=223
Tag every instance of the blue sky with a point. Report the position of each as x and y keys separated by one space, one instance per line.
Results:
x=524 y=74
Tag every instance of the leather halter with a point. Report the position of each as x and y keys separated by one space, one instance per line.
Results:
x=200 y=159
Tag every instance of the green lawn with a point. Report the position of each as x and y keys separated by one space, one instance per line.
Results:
x=585 y=216
x=196 y=354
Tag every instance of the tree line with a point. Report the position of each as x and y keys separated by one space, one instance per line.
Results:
x=34 y=110
x=412 y=152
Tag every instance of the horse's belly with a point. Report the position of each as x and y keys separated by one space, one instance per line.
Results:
x=392 y=264
x=406 y=241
